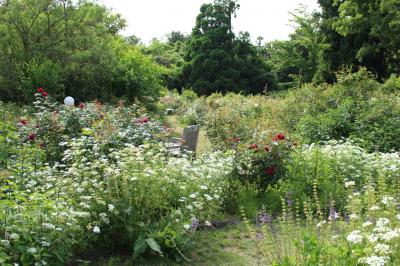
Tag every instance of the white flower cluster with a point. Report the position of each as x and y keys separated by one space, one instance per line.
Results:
x=355 y=237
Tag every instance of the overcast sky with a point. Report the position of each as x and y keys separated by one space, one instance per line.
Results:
x=155 y=18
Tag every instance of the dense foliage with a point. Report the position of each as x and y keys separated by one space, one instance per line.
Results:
x=313 y=171
x=99 y=176
x=71 y=49
x=217 y=61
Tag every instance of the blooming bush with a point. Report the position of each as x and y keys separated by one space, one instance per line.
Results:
x=319 y=170
x=261 y=163
x=365 y=232
x=113 y=185
x=194 y=114
x=339 y=207
x=53 y=124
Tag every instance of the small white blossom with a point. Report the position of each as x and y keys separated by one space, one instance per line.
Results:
x=354 y=237
x=349 y=184
x=374 y=208
x=5 y=242
x=382 y=248
x=390 y=235
x=321 y=223
x=386 y=200
x=375 y=261
x=14 y=236
x=32 y=250
x=382 y=222
x=48 y=226
x=367 y=223
x=45 y=243
x=96 y=230
x=353 y=216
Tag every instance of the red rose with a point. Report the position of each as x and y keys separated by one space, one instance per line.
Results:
x=40 y=90
x=270 y=170
x=279 y=136
x=253 y=146
x=23 y=121
x=45 y=94
x=82 y=105
x=141 y=121
x=267 y=148
x=31 y=137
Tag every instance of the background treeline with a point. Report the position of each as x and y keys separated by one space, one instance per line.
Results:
x=74 y=48
x=70 y=49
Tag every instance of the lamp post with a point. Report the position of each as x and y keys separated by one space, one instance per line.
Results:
x=69 y=101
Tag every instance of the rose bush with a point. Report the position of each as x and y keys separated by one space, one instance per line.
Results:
x=112 y=185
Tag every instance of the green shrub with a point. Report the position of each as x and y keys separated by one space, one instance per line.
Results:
x=356 y=106
x=41 y=73
x=377 y=126
x=188 y=95
x=195 y=113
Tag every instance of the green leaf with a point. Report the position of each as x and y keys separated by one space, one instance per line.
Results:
x=140 y=247
x=153 y=245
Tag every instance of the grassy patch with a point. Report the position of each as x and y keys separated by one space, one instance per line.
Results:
x=227 y=246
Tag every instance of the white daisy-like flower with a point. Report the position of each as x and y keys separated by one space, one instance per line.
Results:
x=186 y=226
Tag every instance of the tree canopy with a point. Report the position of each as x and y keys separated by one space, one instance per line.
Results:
x=76 y=48
x=216 y=60
x=71 y=49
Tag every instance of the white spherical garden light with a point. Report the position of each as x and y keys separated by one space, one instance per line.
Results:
x=69 y=101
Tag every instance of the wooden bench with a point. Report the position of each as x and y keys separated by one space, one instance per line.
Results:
x=187 y=143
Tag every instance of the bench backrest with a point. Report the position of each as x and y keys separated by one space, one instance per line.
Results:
x=190 y=136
